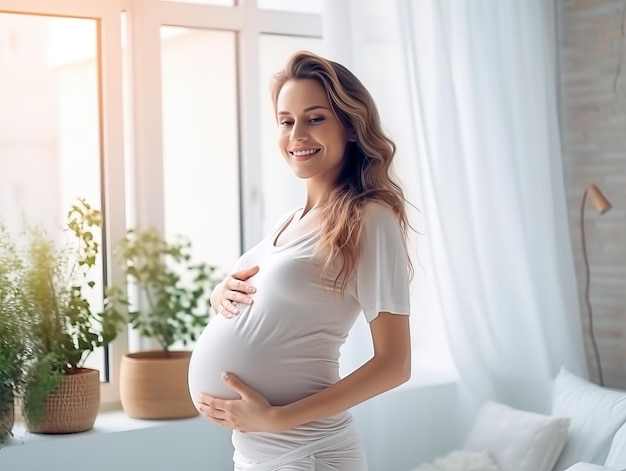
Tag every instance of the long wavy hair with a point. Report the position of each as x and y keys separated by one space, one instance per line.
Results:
x=366 y=173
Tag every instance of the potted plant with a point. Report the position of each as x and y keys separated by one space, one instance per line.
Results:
x=172 y=308
x=60 y=395
x=16 y=339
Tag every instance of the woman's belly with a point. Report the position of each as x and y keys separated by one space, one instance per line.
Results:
x=281 y=363
x=285 y=345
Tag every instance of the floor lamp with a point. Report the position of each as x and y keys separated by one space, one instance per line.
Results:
x=601 y=205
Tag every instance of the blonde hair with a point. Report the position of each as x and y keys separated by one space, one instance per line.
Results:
x=366 y=173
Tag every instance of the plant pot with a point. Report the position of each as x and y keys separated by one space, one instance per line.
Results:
x=153 y=385
x=73 y=406
x=7 y=420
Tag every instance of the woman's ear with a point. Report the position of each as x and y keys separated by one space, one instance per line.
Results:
x=351 y=136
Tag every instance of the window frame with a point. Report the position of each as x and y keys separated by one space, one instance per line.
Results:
x=109 y=47
x=143 y=23
x=122 y=207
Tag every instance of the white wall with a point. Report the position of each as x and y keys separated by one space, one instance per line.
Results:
x=191 y=444
x=408 y=426
x=592 y=90
x=400 y=429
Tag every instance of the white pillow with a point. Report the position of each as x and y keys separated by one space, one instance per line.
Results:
x=588 y=467
x=518 y=440
x=617 y=453
x=596 y=413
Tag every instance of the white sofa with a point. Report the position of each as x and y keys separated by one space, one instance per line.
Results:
x=585 y=431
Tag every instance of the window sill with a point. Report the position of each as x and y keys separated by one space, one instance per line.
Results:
x=117 y=442
x=107 y=422
x=116 y=421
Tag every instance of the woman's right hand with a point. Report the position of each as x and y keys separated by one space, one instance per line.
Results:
x=233 y=290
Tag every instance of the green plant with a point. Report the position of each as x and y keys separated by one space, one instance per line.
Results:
x=55 y=283
x=15 y=328
x=173 y=292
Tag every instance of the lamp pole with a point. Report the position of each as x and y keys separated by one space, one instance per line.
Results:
x=601 y=205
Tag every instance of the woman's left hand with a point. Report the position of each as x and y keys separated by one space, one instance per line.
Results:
x=251 y=413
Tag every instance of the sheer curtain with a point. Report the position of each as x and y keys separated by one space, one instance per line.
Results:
x=478 y=85
x=483 y=88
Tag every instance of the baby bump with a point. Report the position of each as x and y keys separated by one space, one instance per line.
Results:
x=281 y=370
x=222 y=347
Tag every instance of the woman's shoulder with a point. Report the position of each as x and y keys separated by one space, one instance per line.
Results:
x=375 y=211
x=381 y=221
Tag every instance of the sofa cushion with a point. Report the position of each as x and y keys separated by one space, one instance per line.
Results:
x=518 y=440
x=616 y=458
x=596 y=413
x=589 y=467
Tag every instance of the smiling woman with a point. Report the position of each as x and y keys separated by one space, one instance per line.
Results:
x=310 y=135
x=291 y=300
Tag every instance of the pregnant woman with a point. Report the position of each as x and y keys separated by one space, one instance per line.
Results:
x=267 y=366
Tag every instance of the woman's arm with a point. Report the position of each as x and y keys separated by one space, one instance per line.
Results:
x=389 y=367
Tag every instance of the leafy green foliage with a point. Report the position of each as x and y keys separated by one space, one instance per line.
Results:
x=172 y=291
x=43 y=379
x=16 y=341
x=52 y=285
x=56 y=284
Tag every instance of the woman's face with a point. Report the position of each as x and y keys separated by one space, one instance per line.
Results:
x=310 y=136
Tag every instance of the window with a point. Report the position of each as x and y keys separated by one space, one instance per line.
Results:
x=136 y=106
x=49 y=118
x=50 y=127
x=200 y=140
x=159 y=112
x=305 y=6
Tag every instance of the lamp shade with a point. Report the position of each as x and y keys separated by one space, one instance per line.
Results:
x=599 y=201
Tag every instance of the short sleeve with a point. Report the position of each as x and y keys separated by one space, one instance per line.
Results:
x=381 y=283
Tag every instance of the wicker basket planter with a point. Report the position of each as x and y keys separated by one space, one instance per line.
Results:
x=154 y=385
x=73 y=407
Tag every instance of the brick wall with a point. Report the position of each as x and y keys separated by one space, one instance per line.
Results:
x=592 y=70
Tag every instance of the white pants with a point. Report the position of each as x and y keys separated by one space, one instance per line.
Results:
x=341 y=451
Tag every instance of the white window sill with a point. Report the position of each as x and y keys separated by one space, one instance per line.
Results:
x=107 y=422
x=116 y=421
x=119 y=443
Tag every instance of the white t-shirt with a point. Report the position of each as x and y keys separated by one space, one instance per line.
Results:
x=286 y=344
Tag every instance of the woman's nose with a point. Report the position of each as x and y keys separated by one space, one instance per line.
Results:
x=298 y=132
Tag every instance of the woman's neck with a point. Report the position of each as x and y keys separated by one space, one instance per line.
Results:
x=316 y=196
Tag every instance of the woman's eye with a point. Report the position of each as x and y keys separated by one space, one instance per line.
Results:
x=289 y=122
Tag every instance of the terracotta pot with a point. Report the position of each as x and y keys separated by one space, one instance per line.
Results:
x=73 y=406
x=7 y=420
x=153 y=385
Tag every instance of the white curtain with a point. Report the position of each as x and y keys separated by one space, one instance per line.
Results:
x=477 y=82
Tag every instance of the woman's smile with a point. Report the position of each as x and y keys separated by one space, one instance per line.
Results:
x=302 y=154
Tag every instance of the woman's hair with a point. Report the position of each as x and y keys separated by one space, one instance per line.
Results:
x=366 y=173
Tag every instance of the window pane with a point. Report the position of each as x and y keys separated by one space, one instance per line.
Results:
x=49 y=126
x=200 y=141
x=273 y=53
x=304 y=6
